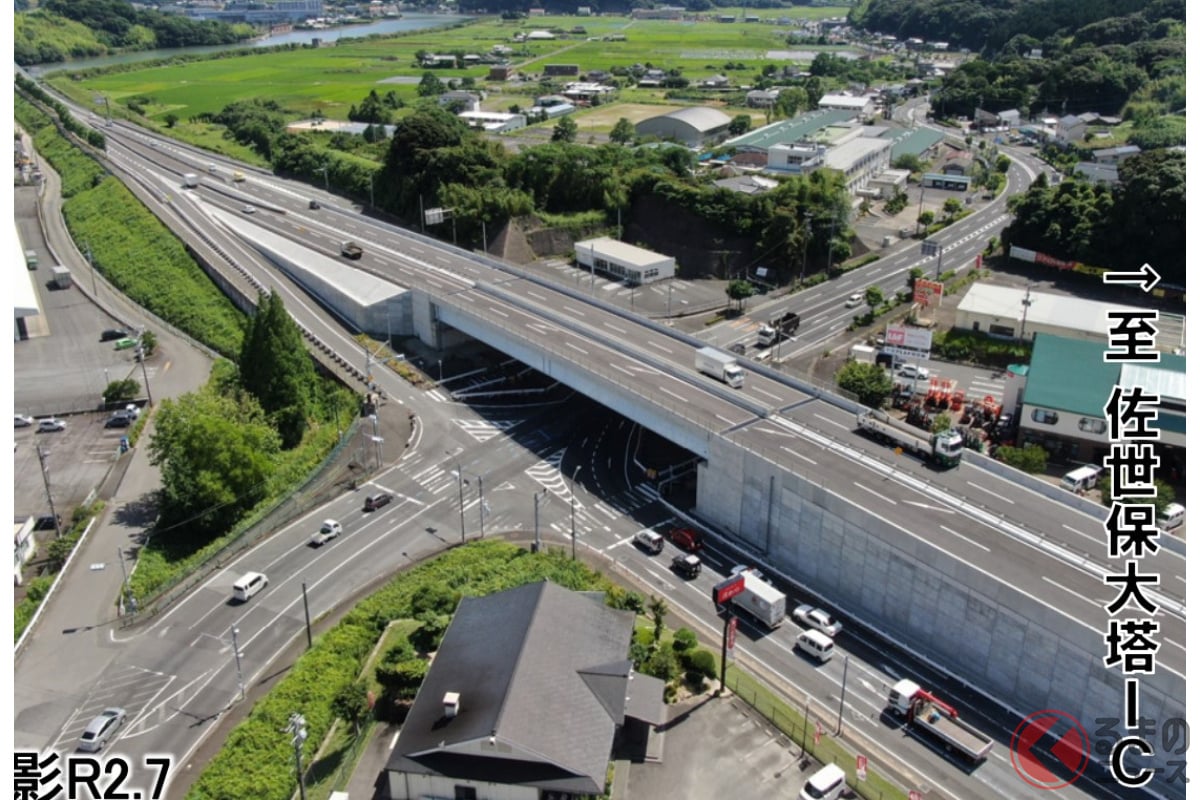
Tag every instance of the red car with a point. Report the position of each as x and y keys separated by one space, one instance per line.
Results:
x=687 y=539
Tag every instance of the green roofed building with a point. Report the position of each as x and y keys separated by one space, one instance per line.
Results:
x=1068 y=386
x=917 y=141
x=802 y=126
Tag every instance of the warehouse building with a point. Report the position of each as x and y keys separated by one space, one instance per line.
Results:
x=632 y=264
x=1012 y=313
x=693 y=126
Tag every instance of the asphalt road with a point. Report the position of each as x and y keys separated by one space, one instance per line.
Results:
x=187 y=651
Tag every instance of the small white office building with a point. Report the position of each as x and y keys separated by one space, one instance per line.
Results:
x=625 y=261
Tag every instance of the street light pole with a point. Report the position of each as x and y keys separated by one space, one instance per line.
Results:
x=237 y=660
x=480 y=480
x=538 y=497
x=573 y=476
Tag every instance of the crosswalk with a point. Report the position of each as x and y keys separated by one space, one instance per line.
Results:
x=483 y=430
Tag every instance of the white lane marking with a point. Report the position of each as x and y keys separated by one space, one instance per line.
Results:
x=1058 y=585
x=792 y=452
x=576 y=349
x=616 y=328
x=658 y=346
x=681 y=398
x=966 y=539
x=989 y=491
x=832 y=422
x=877 y=494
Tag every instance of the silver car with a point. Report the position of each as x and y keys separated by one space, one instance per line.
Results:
x=101 y=729
x=817 y=618
x=51 y=424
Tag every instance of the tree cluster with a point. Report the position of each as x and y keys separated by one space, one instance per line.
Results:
x=1141 y=220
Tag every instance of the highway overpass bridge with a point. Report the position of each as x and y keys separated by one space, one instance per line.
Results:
x=994 y=577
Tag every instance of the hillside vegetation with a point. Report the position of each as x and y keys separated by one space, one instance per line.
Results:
x=65 y=29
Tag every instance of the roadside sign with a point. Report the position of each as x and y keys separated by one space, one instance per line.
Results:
x=729 y=642
x=725 y=591
x=914 y=795
x=860 y=767
x=979 y=261
x=817 y=734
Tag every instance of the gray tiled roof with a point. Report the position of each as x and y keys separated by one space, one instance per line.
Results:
x=536 y=668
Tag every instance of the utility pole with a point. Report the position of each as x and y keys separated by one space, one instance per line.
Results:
x=49 y=497
x=829 y=266
x=141 y=349
x=1025 y=304
x=307 y=620
x=237 y=660
x=481 y=504
x=297 y=727
x=87 y=248
x=573 y=476
x=538 y=497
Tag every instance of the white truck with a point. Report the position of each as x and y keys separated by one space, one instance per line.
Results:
x=941 y=449
x=778 y=329
x=722 y=366
x=766 y=603
x=909 y=701
x=191 y=180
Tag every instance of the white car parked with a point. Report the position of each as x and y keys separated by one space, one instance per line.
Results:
x=23 y=420
x=51 y=424
x=330 y=529
x=912 y=372
x=809 y=617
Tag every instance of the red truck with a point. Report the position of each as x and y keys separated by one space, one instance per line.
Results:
x=687 y=539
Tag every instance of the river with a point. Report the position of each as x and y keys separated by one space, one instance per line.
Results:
x=409 y=22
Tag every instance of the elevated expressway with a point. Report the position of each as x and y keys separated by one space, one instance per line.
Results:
x=994 y=577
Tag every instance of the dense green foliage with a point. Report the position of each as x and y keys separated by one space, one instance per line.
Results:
x=1031 y=458
x=275 y=368
x=1141 y=220
x=980 y=24
x=62 y=117
x=870 y=383
x=63 y=29
x=257 y=761
x=976 y=347
x=1124 y=57
x=215 y=451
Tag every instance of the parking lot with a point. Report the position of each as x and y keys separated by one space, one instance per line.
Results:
x=720 y=748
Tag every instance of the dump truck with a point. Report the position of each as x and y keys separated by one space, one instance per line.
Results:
x=722 y=366
x=351 y=250
x=909 y=701
x=778 y=329
x=763 y=601
x=940 y=449
x=191 y=180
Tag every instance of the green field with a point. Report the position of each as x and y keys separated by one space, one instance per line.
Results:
x=331 y=79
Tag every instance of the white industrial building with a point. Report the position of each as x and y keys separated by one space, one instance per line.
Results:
x=694 y=126
x=863 y=106
x=26 y=309
x=1012 y=313
x=493 y=122
x=859 y=160
x=625 y=261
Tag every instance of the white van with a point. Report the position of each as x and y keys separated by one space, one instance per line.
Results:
x=249 y=585
x=816 y=644
x=826 y=784
x=1081 y=479
x=1171 y=517
x=649 y=540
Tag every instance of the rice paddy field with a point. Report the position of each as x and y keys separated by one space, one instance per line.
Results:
x=330 y=79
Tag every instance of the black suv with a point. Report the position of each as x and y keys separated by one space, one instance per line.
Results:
x=112 y=334
x=378 y=500
x=118 y=421
x=687 y=566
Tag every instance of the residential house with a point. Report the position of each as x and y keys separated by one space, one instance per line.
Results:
x=1069 y=129
x=761 y=98
x=463 y=100
x=1115 y=155
x=523 y=700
